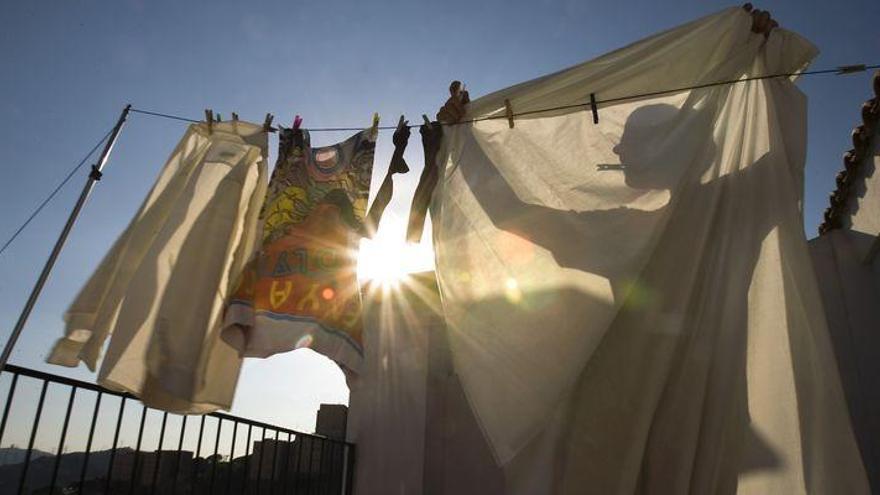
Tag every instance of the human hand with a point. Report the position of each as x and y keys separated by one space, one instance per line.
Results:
x=762 y=21
x=401 y=134
x=454 y=108
x=432 y=136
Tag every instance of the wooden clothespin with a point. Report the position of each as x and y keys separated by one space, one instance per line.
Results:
x=374 y=129
x=209 y=118
x=267 y=124
x=427 y=120
x=850 y=69
x=509 y=112
x=594 y=108
x=235 y=116
x=297 y=121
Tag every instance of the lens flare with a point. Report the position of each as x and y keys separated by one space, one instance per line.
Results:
x=305 y=341
x=639 y=295
x=512 y=291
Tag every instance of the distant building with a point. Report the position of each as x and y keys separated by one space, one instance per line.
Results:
x=308 y=459
x=332 y=420
x=169 y=472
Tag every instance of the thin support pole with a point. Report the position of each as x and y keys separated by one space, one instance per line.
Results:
x=195 y=466
x=216 y=455
x=289 y=446
x=158 y=453
x=115 y=443
x=62 y=238
x=135 y=475
x=247 y=460
x=62 y=439
x=274 y=463
x=85 y=464
x=27 y=457
x=179 y=454
x=231 y=458
x=262 y=459
x=7 y=406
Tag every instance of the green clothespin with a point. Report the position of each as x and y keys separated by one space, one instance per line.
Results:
x=375 y=127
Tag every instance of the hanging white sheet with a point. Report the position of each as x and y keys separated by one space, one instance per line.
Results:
x=162 y=288
x=631 y=305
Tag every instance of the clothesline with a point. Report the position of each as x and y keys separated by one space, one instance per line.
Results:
x=840 y=70
x=51 y=195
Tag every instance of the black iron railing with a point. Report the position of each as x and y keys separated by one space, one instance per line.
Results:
x=272 y=459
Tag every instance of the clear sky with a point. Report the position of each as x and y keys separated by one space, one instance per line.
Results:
x=70 y=67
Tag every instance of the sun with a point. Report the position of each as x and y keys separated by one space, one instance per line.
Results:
x=388 y=259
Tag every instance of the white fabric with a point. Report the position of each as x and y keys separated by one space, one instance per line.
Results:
x=458 y=460
x=847 y=265
x=162 y=287
x=656 y=328
x=387 y=402
x=850 y=291
x=863 y=205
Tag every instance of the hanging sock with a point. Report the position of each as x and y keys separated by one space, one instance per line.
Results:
x=386 y=190
x=160 y=290
x=432 y=135
x=301 y=288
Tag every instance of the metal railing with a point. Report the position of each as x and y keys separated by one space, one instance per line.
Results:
x=272 y=460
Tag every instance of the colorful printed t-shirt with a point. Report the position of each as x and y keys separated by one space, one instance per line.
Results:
x=301 y=289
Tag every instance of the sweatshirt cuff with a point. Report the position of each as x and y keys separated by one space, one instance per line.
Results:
x=65 y=353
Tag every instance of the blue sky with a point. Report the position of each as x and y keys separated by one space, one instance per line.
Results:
x=69 y=68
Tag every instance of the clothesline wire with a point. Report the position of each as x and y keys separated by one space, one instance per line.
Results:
x=55 y=191
x=838 y=70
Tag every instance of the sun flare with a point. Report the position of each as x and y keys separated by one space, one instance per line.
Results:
x=388 y=259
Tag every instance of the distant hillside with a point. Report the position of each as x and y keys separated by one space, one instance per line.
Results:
x=69 y=470
x=15 y=455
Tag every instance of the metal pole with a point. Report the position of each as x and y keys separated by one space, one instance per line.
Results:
x=47 y=268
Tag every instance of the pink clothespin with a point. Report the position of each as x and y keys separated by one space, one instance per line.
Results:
x=297 y=121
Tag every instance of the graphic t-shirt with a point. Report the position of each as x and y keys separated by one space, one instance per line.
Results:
x=301 y=289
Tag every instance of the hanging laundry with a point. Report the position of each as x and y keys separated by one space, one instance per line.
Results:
x=386 y=190
x=431 y=139
x=631 y=305
x=301 y=290
x=162 y=288
x=847 y=264
x=850 y=289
